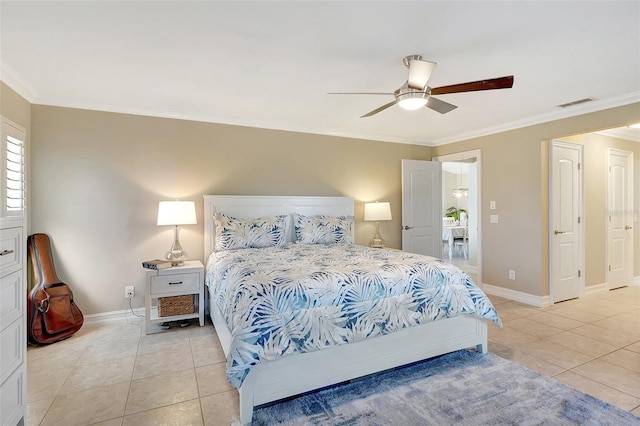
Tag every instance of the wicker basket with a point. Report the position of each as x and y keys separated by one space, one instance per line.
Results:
x=175 y=305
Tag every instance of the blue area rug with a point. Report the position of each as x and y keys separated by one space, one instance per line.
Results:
x=461 y=388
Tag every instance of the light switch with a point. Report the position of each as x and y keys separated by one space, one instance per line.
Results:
x=494 y=218
x=492 y=205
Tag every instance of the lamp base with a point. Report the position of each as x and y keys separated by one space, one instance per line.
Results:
x=176 y=255
x=177 y=258
x=377 y=241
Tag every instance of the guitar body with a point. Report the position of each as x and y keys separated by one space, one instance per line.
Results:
x=53 y=315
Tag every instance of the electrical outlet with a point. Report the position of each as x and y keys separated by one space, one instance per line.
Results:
x=129 y=292
x=512 y=274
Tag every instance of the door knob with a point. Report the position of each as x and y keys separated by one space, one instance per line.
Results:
x=406 y=227
x=627 y=227
x=558 y=232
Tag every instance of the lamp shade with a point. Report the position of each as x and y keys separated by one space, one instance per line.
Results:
x=177 y=213
x=377 y=212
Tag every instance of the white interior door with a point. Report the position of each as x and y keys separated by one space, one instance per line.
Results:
x=422 y=207
x=620 y=219
x=566 y=281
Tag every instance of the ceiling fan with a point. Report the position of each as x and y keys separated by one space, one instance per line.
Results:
x=415 y=93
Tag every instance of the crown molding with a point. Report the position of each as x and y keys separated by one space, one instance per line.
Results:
x=96 y=105
x=581 y=109
x=9 y=77
x=19 y=85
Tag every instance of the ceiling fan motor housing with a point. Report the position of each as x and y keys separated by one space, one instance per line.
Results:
x=407 y=59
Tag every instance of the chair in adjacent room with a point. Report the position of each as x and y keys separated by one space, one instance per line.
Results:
x=461 y=244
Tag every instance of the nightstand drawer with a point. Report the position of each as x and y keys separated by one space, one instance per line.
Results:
x=179 y=283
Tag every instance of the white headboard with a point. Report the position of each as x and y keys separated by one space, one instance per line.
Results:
x=255 y=206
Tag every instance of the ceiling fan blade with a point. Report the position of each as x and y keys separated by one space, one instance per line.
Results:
x=474 y=86
x=359 y=93
x=377 y=110
x=440 y=106
x=419 y=73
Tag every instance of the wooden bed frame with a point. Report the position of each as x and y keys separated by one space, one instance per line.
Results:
x=298 y=373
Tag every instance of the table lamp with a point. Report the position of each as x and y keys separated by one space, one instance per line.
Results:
x=176 y=213
x=377 y=212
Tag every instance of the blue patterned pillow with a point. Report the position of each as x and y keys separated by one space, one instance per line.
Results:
x=323 y=229
x=233 y=233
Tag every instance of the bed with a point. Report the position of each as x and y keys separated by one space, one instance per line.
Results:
x=268 y=367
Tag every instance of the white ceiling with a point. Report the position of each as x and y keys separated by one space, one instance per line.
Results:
x=271 y=64
x=632 y=134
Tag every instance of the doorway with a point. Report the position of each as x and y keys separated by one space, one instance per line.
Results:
x=461 y=183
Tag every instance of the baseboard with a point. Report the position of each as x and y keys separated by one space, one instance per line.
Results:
x=112 y=316
x=516 y=296
x=596 y=289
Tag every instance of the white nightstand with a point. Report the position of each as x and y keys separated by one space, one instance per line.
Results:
x=177 y=281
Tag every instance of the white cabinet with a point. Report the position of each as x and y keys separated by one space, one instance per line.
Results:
x=13 y=292
x=186 y=280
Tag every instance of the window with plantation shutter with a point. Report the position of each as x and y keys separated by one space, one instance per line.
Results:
x=13 y=170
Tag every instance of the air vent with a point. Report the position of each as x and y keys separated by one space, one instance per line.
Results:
x=578 y=102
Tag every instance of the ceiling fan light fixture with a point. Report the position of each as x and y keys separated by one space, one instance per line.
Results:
x=412 y=100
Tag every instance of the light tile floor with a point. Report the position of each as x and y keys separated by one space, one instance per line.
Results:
x=113 y=374
x=592 y=344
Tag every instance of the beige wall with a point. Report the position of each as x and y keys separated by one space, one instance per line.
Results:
x=14 y=107
x=97 y=179
x=515 y=175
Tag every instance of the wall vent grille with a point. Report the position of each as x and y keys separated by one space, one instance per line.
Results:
x=578 y=102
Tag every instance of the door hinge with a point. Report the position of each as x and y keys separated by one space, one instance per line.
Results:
x=609 y=268
x=579 y=219
x=578 y=166
x=579 y=273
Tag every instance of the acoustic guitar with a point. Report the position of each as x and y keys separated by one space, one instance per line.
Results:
x=52 y=313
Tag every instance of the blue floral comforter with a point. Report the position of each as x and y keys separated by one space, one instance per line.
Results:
x=305 y=297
